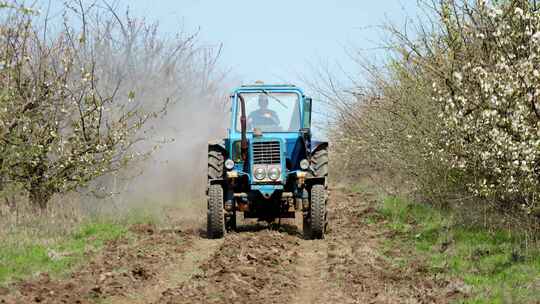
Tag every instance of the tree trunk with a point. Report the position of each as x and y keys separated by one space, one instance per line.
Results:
x=10 y=203
x=39 y=198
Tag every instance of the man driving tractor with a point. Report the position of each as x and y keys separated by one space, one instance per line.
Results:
x=263 y=116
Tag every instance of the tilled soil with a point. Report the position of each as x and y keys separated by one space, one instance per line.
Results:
x=125 y=265
x=265 y=264
x=356 y=271
x=247 y=268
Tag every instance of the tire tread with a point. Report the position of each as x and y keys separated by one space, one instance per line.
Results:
x=320 y=162
x=216 y=215
x=216 y=162
x=318 y=211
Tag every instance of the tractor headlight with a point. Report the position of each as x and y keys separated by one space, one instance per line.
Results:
x=259 y=173
x=274 y=173
x=229 y=164
x=304 y=164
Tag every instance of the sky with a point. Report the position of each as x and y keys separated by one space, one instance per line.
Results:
x=280 y=40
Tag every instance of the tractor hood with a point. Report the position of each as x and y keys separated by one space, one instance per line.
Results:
x=268 y=154
x=267 y=163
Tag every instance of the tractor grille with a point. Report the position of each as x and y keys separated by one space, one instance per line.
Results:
x=266 y=153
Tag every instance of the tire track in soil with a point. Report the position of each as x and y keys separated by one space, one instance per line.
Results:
x=249 y=267
x=312 y=273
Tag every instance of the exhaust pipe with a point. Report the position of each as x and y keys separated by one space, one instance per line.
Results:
x=243 y=126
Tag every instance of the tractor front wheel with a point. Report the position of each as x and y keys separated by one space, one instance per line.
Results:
x=216 y=214
x=317 y=218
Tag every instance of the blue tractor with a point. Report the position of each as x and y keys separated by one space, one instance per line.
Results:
x=269 y=166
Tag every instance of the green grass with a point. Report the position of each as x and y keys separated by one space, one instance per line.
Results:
x=55 y=245
x=495 y=264
x=22 y=258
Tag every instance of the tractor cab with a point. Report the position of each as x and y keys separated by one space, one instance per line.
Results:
x=268 y=165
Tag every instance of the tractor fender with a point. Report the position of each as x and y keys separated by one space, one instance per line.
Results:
x=220 y=181
x=318 y=145
x=217 y=145
x=311 y=179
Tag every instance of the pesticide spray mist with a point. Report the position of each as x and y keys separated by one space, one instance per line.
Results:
x=174 y=178
x=178 y=78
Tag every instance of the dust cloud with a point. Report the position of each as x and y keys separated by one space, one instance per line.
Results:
x=148 y=70
x=174 y=176
x=176 y=172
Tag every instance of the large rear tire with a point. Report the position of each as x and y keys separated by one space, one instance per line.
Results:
x=317 y=212
x=216 y=213
x=216 y=162
x=319 y=161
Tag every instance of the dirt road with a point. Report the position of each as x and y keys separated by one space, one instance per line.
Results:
x=257 y=265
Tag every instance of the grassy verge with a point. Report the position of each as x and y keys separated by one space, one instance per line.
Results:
x=494 y=264
x=57 y=242
x=22 y=257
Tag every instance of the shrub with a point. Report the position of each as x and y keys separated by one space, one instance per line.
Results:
x=455 y=109
x=489 y=99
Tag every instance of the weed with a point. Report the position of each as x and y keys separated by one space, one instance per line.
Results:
x=493 y=263
x=20 y=258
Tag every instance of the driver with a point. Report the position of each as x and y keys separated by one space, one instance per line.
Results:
x=263 y=116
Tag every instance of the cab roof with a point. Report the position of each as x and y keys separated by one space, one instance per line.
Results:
x=269 y=87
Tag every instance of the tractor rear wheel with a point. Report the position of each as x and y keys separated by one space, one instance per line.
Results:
x=319 y=161
x=317 y=212
x=216 y=213
x=216 y=162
